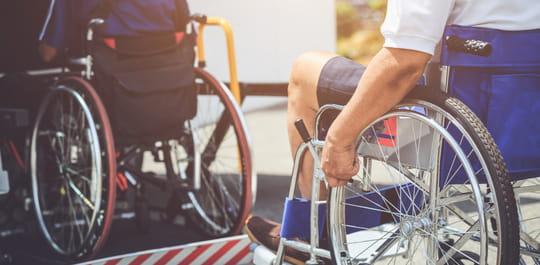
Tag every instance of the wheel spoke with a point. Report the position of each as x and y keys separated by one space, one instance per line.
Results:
x=421 y=178
x=217 y=132
x=67 y=147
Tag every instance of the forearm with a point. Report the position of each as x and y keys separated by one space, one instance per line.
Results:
x=53 y=33
x=388 y=78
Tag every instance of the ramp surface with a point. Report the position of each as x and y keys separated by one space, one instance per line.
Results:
x=223 y=251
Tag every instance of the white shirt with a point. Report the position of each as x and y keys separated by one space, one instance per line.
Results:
x=419 y=24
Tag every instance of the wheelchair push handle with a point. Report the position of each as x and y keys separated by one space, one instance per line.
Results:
x=199 y=18
x=470 y=46
x=302 y=130
x=97 y=23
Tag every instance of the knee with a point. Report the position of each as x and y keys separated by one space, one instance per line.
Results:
x=299 y=72
x=297 y=81
x=304 y=78
x=47 y=52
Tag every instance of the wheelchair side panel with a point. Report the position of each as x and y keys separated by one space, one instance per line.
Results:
x=509 y=106
x=504 y=91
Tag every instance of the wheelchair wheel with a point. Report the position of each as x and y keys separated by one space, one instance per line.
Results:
x=217 y=160
x=432 y=189
x=527 y=196
x=73 y=169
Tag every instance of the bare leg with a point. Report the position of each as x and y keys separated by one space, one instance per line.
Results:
x=302 y=103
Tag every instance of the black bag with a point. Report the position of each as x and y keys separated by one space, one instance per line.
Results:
x=147 y=85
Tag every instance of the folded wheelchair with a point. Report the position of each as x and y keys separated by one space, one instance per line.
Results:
x=96 y=128
x=440 y=173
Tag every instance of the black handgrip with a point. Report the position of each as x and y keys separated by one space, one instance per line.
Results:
x=475 y=47
x=199 y=18
x=302 y=130
x=97 y=24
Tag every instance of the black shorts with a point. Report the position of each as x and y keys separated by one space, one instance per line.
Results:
x=338 y=80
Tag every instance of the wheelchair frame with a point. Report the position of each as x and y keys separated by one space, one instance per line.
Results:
x=216 y=198
x=487 y=175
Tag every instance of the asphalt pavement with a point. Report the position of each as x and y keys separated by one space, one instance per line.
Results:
x=271 y=153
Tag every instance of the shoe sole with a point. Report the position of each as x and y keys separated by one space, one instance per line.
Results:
x=287 y=258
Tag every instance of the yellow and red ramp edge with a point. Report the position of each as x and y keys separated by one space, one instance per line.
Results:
x=223 y=251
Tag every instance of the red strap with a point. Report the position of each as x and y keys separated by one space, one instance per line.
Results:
x=121 y=181
x=111 y=42
x=179 y=36
x=16 y=154
x=388 y=137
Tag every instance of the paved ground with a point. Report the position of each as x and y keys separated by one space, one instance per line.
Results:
x=273 y=160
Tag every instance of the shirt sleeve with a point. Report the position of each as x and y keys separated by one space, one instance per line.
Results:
x=55 y=24
x=415 y=24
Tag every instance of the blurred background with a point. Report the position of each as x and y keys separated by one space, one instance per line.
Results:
x=357 y=26
x=269 y=35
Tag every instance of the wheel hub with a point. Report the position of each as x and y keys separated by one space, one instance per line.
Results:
x=409 y=227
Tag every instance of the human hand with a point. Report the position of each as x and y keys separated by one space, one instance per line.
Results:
x=47 y=52
x=339 y=163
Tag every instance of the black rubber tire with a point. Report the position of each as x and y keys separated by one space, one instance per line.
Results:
x=214 y=200
x=501 y=188
x=508 y=227
x=98 y=231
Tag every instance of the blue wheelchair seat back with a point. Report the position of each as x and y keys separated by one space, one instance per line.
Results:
x=503 y=90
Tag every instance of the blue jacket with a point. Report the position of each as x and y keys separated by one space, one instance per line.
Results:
x=67 y=18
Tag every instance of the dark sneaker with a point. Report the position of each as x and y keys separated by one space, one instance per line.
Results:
x=266 y=232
